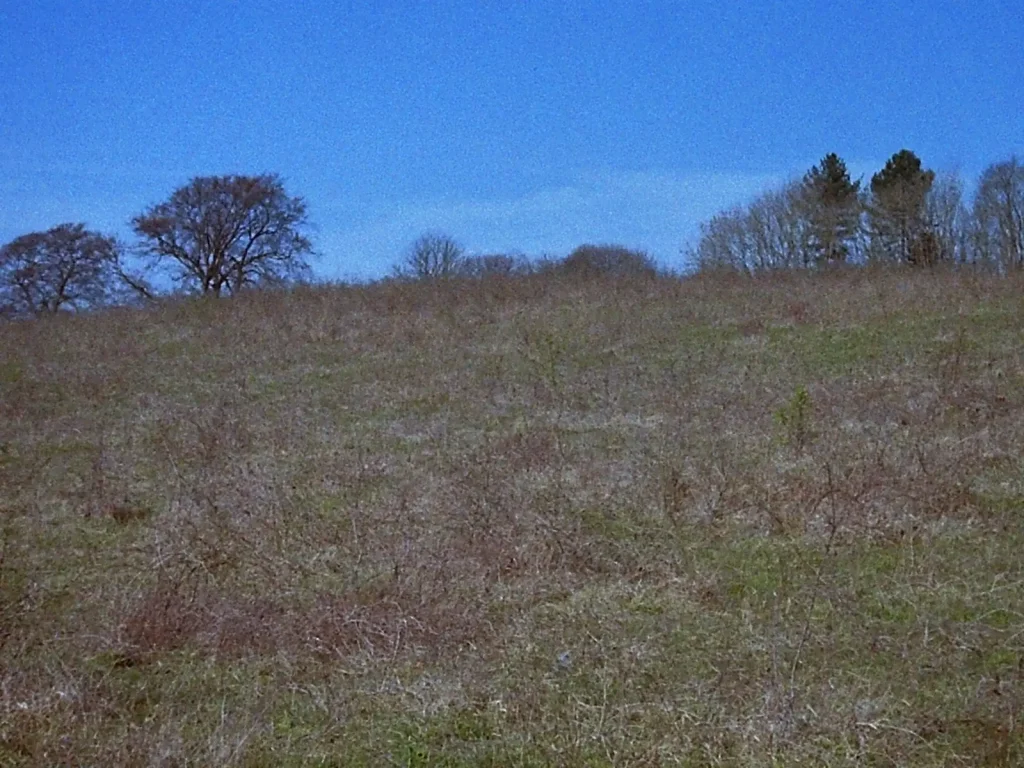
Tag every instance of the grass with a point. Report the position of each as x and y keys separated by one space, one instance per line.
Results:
x=525 y=522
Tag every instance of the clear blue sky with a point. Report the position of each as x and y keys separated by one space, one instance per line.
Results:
x=532 y=126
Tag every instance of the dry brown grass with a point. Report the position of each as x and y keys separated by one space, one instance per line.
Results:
x=524 y=521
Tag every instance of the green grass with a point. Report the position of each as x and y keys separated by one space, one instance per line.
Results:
x=519 y=523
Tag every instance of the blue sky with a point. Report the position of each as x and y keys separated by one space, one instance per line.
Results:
x=525 y=126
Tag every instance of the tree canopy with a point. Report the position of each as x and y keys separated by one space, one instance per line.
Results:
x=610 y=260
x=833 y=209
x=908 y=215
x=899 y=194
x=220 y=234
x=433 y=255
x=65 y=267
x=999 y=213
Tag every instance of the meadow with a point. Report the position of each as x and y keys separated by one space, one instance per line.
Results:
x=531 y=521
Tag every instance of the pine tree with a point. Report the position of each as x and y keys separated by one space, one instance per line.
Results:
x=899 y=224
x=832 y=209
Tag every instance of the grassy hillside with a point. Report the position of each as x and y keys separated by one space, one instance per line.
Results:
x=526 y=522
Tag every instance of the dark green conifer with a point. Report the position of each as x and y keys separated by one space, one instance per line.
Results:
x=832 y=209
x=899 y=224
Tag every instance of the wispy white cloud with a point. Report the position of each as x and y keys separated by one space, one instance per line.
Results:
x=658 y=211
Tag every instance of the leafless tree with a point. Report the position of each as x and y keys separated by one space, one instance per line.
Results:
x=948 y=219
x=769 y=233
x=66 y=267
x=999 y=214
x=722 y=242
x=779 y=229
x=433 y=255
x=494 y=265
x=222 y=233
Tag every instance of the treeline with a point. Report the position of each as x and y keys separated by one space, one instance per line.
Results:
x=436 y=255
x=218 y=235
x=906 y=214
x=215 y=235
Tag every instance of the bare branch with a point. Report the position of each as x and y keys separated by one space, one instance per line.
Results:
x=66 y=267
x=433 y=255
x=226 y=232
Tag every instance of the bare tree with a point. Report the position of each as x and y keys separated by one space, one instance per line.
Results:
x=494 y=265
x=948 y=219
x=778 y=230
x=222 y=233
x=433 y=255
x=66 y=267
x=723 y=242
x=769 y=233
x=999 y=214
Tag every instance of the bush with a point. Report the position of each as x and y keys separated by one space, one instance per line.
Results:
x=491 y=265
x=610 y=260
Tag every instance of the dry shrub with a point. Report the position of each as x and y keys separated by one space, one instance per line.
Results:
x=798 y=312
x=329 y=490
x=421 y=613
x=380 y=628
x=167 y=617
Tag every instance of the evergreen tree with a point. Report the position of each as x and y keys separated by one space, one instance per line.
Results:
x=899 y=224
x=832 y=209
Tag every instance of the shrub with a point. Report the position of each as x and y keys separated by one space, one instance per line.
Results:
x=610 y=260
